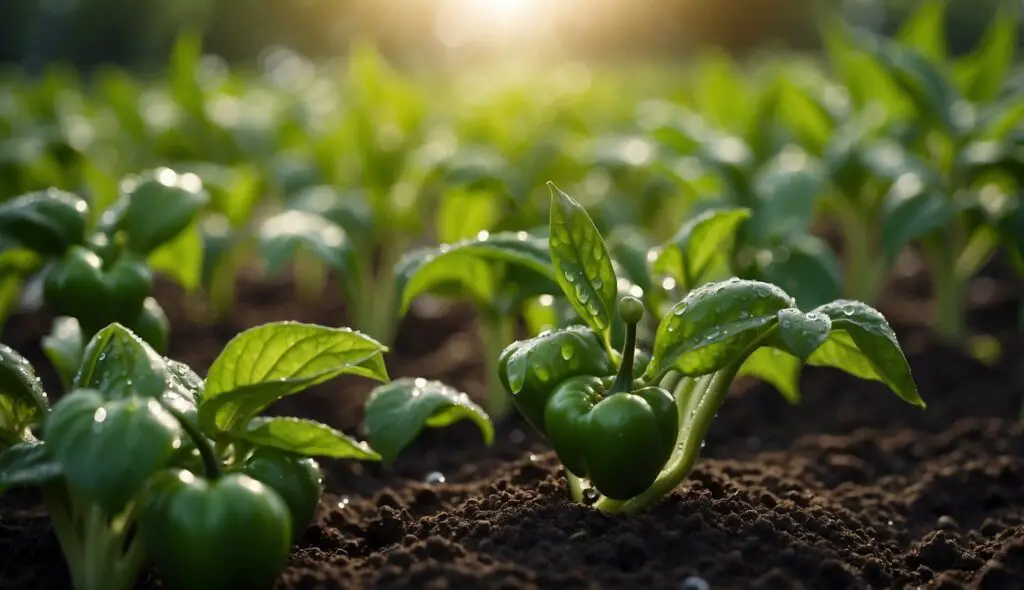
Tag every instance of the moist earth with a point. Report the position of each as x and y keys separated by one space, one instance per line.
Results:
x=850 y=489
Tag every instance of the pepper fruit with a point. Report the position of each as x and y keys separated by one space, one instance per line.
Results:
x=225 y=532
x=605 y=430
x=79 y=285
x=295 y=478
x=230 y=533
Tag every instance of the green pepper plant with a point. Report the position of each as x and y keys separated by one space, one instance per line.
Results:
x=143 y=461
x=629 y=432
x=98 y=270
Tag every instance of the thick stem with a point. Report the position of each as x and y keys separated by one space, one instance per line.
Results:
x=865 y=268
x=575 y=487
x=624 y=380
x=497 y=331
x=210 y=463
x=947 y=290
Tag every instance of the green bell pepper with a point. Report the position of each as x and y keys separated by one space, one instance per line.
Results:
x=295 y=478
x=80 y=286
x=231 y=533
x=607 y=431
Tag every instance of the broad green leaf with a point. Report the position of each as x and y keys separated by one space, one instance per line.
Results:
x=787 y=188
x=583 y=266
x=865 y=79
x=184 y=390
x=119 y=364
x=181 y=258
x=802 y=333
x=474 y=267
x=630 y=247
x=463 y=213
x=283 y=235
x=22 y=399
x=805 y=267
x=698 y=243
x=157 y=205
x=925 y=30
x=307 y=438
x=863 y=344
x=776 y=367
x=982 y=73
x=64 y=346
x=27 y=464
x=715 y=325
x=47 y=222
x=528 y=369
x=275 y=360
x=911 y=210
x=108 y=449
x=398 y=411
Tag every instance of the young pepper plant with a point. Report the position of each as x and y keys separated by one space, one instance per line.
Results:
x=580 y=393
x=198 y=446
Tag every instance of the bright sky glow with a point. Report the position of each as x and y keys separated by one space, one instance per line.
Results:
x=461 y=22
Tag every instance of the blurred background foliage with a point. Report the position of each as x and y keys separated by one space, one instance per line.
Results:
x=140 y=33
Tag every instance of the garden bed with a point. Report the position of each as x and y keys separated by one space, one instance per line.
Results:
x=850 y=489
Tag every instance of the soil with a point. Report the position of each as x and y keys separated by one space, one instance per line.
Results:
x=850 y=489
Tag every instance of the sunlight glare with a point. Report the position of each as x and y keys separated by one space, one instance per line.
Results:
x=461 y=22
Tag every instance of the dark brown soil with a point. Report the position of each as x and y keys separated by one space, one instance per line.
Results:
x=850 y=489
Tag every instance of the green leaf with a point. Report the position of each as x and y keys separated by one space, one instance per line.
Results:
x=776 y=367
x=184 y=390
x=398 y=411
x=583 y=266
x=982 y=73
x=350 y=210
x=787 y=188
x=307 y=438
x=22 y=399
x=473 y=267
x=27 y=464
x=275 y=360
x=863 y=344
x=47 y=222
x=119 y=364
x=715 y=325
x=108 y=449
x=699 y=242
x=64 y=346
x=802 y=333
x=910 y=211
x=925 y=30
x=806 y=267
x=157 y=206
x=463 y=213
x=181 y=258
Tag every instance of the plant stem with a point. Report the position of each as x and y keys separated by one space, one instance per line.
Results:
x=497 y=331
x=211 y=465
x=698 y=400
x=624 y=380
x=947 y=290
x=310 y=277
x=865 y=268
x=575 y=487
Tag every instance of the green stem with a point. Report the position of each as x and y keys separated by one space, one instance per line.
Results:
x=947 y=290
x=310 y=277
x=497 y=331
x=865 y=268
x=211 y=465
x=575 y=487
x=624 y=380
x=698 y=401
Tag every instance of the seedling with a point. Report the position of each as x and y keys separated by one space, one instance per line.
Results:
x=628 y=433
x=144 y=461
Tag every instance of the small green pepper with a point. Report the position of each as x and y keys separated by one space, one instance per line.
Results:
x=605 y=430
x=229 y=533
x=79 y=285
x=295 y=478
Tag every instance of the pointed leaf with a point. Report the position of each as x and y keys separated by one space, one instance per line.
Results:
x=157 y=206
x=22 y=399
x=697 y=244
x=307 y=438
x=802 y=333
x=65 y=347
x=925 y=30
x=715 y=325
x=27 y=464
x=119 y=364
x=463 y=213
x=47 y=222
x=779 y=369
x=89 y=436
x=275 y=360
x=398 y=411
x=583 y=266
x=863 y=344
x=982 y=73
x=910 y=211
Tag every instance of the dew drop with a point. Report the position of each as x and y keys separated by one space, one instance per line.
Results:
x=590 y=495
x=598 y=283
x=570 y=277
x=435 y=477
x=532 y=457
x=343 y=502
x=567 y=352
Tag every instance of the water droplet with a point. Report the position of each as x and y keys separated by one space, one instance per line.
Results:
x=483 y=235
x=567 y=352
x=570 y=277
x=694 y=583
x=343 y=502
x=889 y=522
x=532 y=457
x=598 y=283
x=435 y=477
x=679 y=310
x=590 y=495
x=542 y=373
